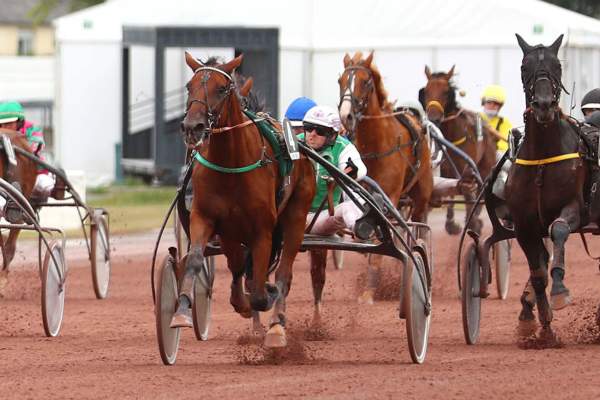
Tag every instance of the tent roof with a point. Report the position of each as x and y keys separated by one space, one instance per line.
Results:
x=347 y=24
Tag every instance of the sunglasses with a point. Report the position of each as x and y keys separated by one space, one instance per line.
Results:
x=320 y=130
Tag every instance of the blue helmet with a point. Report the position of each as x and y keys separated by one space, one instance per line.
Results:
x=297 y=108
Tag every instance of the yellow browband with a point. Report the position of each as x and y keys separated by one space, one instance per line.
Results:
x=460 y=141
x=550 y=160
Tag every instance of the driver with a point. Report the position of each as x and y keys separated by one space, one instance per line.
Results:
x=321 y=127
x=12 y=117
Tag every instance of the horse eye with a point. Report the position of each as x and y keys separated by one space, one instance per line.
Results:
x=222 y=89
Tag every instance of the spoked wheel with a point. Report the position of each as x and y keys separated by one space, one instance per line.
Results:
x=100 y=256
x=502 y=265
x=201 y=308
x=53 y=289
x=417 y=307
x=166 y=304
x=470 y=298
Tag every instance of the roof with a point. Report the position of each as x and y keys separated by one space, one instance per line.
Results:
x=381 y=24
x=16 y=11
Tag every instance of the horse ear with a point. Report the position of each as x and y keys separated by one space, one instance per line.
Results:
x=347 y=60
x=427 y=72
x=247 y=87
x=451 y=72
x=233 y=64
x=369 y=59
x=556 y=45
x=523 y=44
x=192 y=62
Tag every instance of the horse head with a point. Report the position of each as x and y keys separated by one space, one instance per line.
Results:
x=541 y=74
x=359 y=84
x=209 y=91
x=438 y=97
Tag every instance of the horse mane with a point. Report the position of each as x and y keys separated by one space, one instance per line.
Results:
x=254 y=101
x=382 y=95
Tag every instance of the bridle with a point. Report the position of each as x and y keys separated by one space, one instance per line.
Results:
x=541 y=72
x=213 y=112
x=358 y=105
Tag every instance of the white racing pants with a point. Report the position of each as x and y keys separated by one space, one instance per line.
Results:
x=344 y=216
x=44 y=183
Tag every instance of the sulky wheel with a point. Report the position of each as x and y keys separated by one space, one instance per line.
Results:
x=470 y=298
x=166 y=303
x=416 y=302
x=201 y=308
x=53 y=289
x=502 y=265
x=100 y=255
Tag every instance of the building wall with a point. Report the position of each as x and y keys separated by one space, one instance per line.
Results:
x=42 y=40
x=9 y=42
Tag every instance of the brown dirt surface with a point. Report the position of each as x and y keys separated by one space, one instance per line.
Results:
x=107 y=349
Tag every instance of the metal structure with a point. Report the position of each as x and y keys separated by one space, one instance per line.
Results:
x=156 y=152
x=52 y=267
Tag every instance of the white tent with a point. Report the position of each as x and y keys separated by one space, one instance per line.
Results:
x=477 y=36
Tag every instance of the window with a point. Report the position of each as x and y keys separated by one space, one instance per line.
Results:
x=25 y=42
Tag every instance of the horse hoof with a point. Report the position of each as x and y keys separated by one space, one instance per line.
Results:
x=452 y=228
x=182 y=319
x=366 y=297
x=549 y=339
x=560 y=301
x=527 y=328
x=275 y=337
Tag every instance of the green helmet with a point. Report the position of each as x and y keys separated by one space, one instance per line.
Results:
x=11 y=111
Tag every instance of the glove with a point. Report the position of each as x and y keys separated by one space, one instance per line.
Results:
x=351 y=168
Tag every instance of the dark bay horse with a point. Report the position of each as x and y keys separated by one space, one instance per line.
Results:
x=25 y=174
x=545 y=189
x=239 y=195
x=460 y=126
x=391 y=145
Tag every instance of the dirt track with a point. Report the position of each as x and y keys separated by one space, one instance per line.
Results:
x=108 y=349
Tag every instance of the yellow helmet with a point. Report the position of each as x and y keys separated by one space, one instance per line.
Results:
x=494 y=93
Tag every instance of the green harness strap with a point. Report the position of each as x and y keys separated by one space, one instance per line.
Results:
x=269 y=132
x=226 y=170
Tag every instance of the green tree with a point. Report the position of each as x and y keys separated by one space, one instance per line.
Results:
x=587 y=7
x=43 y=8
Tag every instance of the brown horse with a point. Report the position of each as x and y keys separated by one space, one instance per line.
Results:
x=546 y=188
x=392 y=147
x=460 y=126
x=24 y=173
x=240 y=205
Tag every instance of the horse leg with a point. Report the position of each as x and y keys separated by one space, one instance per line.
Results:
x=374 y=262
x=236 y=259
x=200 y=231
x=527 y=323
x=537 y=258
x=318 y=263
x=559 y=231
x=8 y=253
x=451 y=226
x=476 y=224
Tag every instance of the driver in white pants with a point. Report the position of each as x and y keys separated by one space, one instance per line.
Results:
x=321 y=127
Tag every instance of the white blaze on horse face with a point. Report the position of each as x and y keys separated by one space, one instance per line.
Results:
x=346 y=105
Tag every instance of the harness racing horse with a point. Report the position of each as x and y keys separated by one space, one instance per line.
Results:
x=24 y=173
x=392 y=146
x=239 y=195
x=464 y=129
x=545 y=188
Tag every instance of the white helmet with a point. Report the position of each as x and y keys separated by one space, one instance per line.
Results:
x=324 y=116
